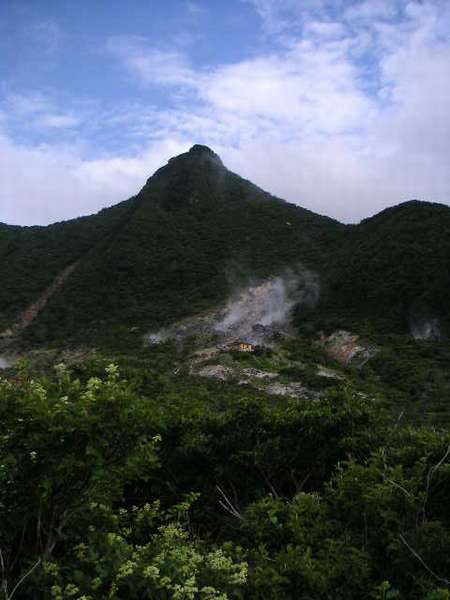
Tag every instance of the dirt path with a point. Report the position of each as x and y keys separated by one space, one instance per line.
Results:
x=33 y=310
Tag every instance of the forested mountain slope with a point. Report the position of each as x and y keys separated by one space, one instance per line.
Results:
x=195 y=231
x=395 y=268
x=32 y=257
x=311 y=462
x=178 y=247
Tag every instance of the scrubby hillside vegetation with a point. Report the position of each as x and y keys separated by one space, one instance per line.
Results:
x=195 y=231
x=176 y=248
x=32 y=257
x=209 y=393
x=395 y=269
x=163 y=486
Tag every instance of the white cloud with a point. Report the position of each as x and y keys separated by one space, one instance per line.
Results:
x=47 y=183
x=57 y=121
x=26 y=104
x=349 y=114
x=279 y=15
x=151 y=66
x=320 y=139
x=307 y=90
x=36 y=110
x=326 y=29
x=369 y=10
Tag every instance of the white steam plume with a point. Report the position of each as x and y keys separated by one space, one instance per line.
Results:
x=268 y=304
x=253 y=313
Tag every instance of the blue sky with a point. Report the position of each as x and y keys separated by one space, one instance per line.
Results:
x=341 y=106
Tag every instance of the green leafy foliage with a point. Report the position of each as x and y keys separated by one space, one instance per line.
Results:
x=67 y=452
x=144 y=553
x=189 y=489
x=32 y=257
x=158 y=484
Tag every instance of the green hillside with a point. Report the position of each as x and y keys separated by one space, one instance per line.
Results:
x=196 y=472
x=192 y=232
x=195 y=231
x=31 y=257
x=146 y=482
x=395 y=268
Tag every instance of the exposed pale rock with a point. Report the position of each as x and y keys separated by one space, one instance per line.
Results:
x=262 y=381
x=294 y=389
x=217 y=372
x=252 y=373
x=329 y=373
x=346 y=348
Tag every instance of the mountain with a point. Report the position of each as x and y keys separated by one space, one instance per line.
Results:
x=32 y=257
x=395 y=268
x=176 y=248
x=192 y=234
x=240 y=452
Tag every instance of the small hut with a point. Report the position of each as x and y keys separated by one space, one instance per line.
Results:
x=241 y=346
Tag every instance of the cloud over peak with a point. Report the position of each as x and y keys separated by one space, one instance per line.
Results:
x=343 y=107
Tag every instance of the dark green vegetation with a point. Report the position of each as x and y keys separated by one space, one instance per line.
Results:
x=414 y=377
x=395 y=268
x=195 y=231
x=165 y=486
x=169 y=252
x=147 y=482
x=31 y=257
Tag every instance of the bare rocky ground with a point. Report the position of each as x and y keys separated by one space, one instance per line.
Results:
x=347 y=348
x=342 y=347
x=259 y=315
x=264 y=381
x=329 y=373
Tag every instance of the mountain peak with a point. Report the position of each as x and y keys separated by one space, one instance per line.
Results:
x=198 y=153
x=201 y=149
x=205 y=153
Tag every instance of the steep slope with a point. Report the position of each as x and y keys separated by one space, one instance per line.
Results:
x=195 y=230
x=395 y=269
x=32 y=258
